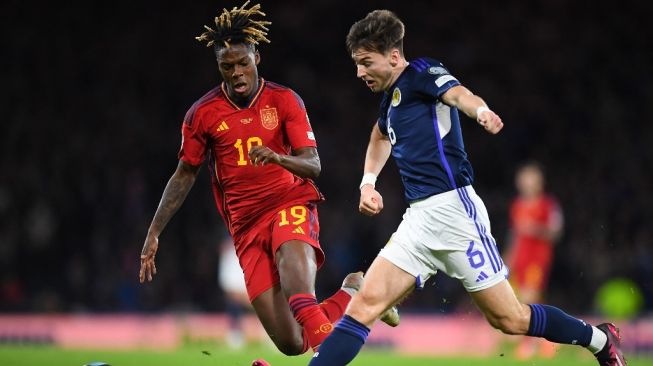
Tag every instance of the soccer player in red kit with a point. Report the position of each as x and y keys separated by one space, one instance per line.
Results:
x=261 y=156
x=536 y=224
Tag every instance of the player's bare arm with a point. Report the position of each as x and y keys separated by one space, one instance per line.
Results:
x=173 y=196
x=549 y=231
x=556 y=225
x=378 y=152
x=304 y=162
x=474 y=107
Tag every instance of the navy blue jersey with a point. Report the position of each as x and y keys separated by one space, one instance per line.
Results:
x=425 y=134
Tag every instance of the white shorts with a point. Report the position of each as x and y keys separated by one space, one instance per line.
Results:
x=230 y=275
x=448 y=232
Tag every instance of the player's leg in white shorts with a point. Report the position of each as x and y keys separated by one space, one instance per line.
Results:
x=448 y=232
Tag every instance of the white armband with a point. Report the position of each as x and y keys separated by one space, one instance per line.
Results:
x=368 y=178
x=481 y=109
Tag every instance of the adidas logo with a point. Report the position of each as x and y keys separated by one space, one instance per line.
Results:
x=298 y=230
x=223 y=126
x=481 y=277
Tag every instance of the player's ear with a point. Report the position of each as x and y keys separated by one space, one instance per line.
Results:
x=395 y=57
x=257 y=57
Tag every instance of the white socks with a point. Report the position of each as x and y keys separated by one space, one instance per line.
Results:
x=599 y=339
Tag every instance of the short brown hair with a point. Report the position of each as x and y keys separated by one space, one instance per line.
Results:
x=380 y=31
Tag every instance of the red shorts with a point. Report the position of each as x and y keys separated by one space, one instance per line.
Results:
x=531 y=266
x=531 y=275
x=257 y=246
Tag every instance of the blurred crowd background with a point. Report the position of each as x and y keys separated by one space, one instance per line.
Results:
x=93 y=95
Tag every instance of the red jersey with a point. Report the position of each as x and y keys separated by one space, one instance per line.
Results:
x=542 y=212
x=217 y=127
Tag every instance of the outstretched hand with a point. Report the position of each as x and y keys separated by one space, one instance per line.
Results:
x=490 y=121
x=148 y=268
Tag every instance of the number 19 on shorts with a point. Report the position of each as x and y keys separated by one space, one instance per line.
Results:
x=297 y=215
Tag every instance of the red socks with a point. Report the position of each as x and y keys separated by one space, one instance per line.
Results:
x=311 y=317
x=317 y=319
x=336 y=305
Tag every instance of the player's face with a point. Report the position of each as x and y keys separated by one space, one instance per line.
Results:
x=237 y=65
x=530 y=182
x=374 y=68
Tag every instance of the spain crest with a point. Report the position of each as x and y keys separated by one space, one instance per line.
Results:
x=269 y=118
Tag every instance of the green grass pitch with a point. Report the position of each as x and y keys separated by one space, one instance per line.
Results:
x=216 y=356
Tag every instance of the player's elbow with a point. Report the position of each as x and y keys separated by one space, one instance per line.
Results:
x=314 y=169
x=314 y=172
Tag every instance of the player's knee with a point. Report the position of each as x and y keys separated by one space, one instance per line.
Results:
x=290 y=347
x=291 y=350
x=287 y=343
x=366 y=306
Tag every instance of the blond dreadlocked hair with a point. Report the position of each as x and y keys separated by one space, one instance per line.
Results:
x=236 y=26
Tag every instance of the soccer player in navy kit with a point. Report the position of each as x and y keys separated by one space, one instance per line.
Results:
x=446 y=228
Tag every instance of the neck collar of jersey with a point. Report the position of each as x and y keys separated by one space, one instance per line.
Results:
x=403 y=72
x=261 y=85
